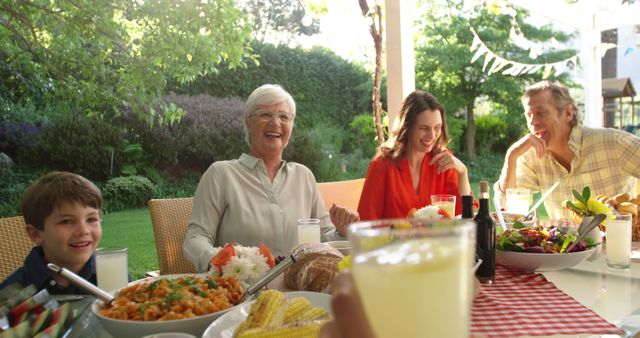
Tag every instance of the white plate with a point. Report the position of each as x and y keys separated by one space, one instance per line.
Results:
x=224 y=326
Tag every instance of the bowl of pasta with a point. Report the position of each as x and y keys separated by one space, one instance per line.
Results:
x=172 y=303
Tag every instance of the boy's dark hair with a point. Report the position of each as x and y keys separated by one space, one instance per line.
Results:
x=54 y=188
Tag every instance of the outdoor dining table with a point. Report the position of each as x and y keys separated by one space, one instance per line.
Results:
x=608 y=295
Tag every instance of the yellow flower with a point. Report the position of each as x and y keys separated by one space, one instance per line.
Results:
x=345 y=263
x=597 y=207
x=584 y=205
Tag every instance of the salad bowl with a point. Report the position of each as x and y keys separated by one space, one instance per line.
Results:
x=542 y=249
x=533 y=261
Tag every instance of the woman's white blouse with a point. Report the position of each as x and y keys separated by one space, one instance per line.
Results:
x=235 y=202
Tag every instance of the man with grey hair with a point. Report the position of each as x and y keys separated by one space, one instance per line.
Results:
x=559 y=148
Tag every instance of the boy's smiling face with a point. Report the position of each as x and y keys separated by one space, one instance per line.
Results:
x=71 y=235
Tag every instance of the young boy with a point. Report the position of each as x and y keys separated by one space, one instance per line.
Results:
x=62 y=213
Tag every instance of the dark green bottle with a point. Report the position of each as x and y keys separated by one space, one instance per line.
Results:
x=485 y=238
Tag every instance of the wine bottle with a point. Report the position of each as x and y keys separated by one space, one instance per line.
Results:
x=485 y=238
x=467 y=206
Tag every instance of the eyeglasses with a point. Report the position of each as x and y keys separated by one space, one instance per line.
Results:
x=267 y=116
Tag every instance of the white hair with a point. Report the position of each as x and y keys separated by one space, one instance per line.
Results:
x=267 y=94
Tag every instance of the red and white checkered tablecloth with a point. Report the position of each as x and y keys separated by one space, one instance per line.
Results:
x=527 y=304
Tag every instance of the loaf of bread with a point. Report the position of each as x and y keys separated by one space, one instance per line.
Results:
x=314 y=269
x=626 y=203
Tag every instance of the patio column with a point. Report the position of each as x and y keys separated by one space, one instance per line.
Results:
x=591 y=52
x=399 y=50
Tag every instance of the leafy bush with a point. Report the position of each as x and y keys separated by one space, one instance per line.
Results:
x=496 y=132
x=490 y=130
x=18 y=139
x=457 y=127
x=15 y=180
x=185 y=187
x=210 y=130
x=362 y=136
x=77 y=143
x=486 y=168
x=127 y=192
x=325 y=86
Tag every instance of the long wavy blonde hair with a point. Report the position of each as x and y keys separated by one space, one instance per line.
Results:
x=414 y=104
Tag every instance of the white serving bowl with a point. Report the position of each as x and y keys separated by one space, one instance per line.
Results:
x=343 y=246
x=510 y=219
x=171 y=335
x=529 y=262
x=135 y=329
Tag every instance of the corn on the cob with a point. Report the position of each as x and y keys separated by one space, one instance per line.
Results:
x=268 y=310
x=315 y=313
x=295 y=330
x=296 y=307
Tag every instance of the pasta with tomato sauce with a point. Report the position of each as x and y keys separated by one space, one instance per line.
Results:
x=169 y=299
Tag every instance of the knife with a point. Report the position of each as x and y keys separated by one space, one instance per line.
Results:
x=542 y=198
x=498 y=208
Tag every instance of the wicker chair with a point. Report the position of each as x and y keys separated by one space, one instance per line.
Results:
x=343 y=193
x=170 y=218
x=15 y=245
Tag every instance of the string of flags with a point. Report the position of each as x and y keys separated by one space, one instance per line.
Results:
x=513 y=68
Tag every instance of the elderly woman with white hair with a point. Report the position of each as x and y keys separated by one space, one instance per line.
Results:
x=259 y=197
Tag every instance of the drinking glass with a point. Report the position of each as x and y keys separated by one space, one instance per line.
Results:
x=112 y=268
x=445 y=202
x=618 y=235
x=415 y=278
x=308 y=230
x=518 y=200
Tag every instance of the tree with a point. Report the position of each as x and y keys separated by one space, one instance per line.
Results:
x=98 y=56
x=443 y=57
x=279 y=20
x=375 y=14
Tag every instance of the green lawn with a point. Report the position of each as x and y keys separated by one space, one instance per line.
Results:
x=132 y=229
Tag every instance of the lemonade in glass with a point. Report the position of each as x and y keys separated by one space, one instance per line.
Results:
x=445 y=202
x=415 y=282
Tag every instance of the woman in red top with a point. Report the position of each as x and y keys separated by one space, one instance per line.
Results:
x=413 y=164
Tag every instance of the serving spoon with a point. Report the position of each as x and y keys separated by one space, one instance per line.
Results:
x=597 y=219
x=81 y=283
x=269 y=276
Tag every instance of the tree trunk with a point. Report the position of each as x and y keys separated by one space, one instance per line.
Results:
x=377 y=79
x=376 y=33
x=471 y=134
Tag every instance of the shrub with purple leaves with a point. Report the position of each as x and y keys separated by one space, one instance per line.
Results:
x=77 y=143
x=18 y=139
x=211 y=130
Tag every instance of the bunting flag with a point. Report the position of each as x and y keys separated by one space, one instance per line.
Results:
x=513 y=68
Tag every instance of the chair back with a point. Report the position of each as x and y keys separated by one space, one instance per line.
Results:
x=170 y=218
x=342 y=193
x=15 y=245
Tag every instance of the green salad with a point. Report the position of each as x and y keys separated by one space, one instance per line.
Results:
x=540 y=240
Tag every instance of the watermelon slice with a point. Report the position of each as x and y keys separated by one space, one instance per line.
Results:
x=61 y=315
x=41 y=321
x=22 y=330
x=53 y=331
x=29 y=304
